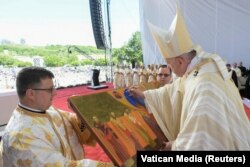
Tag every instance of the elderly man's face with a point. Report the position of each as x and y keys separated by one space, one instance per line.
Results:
x=178 y=65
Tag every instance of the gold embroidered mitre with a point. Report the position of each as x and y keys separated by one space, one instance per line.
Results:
x=176 y=40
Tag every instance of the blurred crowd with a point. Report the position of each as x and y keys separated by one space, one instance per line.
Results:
x=123 y=75
x=126 y=76
x=64 y=76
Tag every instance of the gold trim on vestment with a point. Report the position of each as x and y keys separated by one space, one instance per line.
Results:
x=23 y=111
x=67 y=134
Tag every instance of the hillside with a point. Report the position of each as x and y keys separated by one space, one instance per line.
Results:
x=53 y=55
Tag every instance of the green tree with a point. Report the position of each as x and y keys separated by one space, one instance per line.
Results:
x=72 y=60
x=119 y=54
x=10 y=62
x=54 y=55
x=6 y=60
x=54 y=61
x=132 y=51
x=86 y=62
x=100 y=62
x=22 y=64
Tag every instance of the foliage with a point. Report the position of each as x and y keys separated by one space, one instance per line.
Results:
x=72 y=60
x=57 y=55
x=86 y=62
x=48 y=50
x=54 y=55
x=6 y=60
x=132 y=51
x=120 y=54
x=10 y=61
x=22 y=64
x=114 y=60
x=54 y=61
x=100 y=62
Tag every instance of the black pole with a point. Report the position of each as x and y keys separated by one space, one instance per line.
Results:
x=106 y=65
x=110 y=40
x=80 y=51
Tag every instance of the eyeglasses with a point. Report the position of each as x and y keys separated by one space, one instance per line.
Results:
x=165 y=75
x=48 y=89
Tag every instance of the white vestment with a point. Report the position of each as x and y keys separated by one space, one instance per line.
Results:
x=35 y=139
x=202 y=110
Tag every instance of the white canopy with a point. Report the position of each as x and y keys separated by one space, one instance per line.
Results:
x=219 y=26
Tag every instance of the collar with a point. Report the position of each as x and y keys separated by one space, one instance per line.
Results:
x=193 y=62
x=197 y=66
x=31 y=109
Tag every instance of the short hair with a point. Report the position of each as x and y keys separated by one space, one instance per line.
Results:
x=29 y=77
x=193 y=52
x=165 y=66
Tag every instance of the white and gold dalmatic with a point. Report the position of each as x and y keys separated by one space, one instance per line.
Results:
x=52 y=139
x=203 y=109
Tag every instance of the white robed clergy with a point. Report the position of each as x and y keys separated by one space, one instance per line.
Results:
x=202 y=109
x=40 y=135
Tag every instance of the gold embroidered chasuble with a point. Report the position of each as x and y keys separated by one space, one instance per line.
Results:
x=201 y=111
x=50 y=139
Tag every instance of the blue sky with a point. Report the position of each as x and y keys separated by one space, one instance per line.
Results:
x=65 y=22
